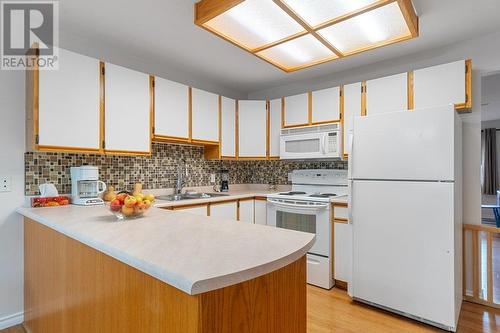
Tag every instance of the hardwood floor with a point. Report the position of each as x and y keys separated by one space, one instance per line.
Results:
x=333 y=311
x=15 y=329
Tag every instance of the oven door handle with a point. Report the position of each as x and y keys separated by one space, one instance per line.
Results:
x=304 y=207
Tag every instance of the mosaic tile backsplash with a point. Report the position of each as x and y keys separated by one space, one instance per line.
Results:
x=158 y=170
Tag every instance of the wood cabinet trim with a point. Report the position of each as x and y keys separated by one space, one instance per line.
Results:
x=268 y=129
x=126 y=152
x=190 y=113
x=246 y=199
x=166 y=138
x=102 y=106
x=310 y=107
x=297 y=125
x=185 y=206
x=363 y=98
x=283 y=112
x=151 y=109
x=221 y=202
x=467 y=105
x=341 y=113
x=83 y=150
x=410 y=91
x=219 y=114
x=237 y=133
x=260 y=198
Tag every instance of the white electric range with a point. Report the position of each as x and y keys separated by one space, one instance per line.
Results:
x=307 y=208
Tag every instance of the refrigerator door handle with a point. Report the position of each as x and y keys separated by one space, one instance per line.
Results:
x=350 y=139
x=349 y=202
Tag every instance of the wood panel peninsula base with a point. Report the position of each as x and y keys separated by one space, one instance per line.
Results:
x=71 y=287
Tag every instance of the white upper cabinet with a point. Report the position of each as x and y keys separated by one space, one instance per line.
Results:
x=127 y=105
x=228 y=127
x=297 y=110
x=205 y=119
x=68 y=114
x=171 y=109
x=387 y=94
x=440 y=85
x=252 y=129
x=326 y=105
x=274 y=127
x=352 y=108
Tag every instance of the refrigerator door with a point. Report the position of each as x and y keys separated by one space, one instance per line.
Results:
x=403 y=251
x=404 y=145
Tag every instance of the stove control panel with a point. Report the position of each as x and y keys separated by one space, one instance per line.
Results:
x=320 y=176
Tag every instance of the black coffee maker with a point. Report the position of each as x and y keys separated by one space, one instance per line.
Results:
x=224 y=180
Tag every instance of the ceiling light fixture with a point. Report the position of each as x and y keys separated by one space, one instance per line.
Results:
x=296 y=34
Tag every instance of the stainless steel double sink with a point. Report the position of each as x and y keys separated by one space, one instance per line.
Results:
x=190 y=196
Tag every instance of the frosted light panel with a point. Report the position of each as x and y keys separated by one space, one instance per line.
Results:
x=371 y=28
x=315 y=12
x=300 y=51
x=254 y=23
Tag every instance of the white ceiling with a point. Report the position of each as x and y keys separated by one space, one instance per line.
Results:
x=159 y=37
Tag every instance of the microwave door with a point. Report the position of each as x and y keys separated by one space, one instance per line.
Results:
x=302 y=146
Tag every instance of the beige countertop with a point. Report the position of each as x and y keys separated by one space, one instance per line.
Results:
x=231 y=195
x=193 y=253
x=235 y=192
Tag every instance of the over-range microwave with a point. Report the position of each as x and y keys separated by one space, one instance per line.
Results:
x=311 y=142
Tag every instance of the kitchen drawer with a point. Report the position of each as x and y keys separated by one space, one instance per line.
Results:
x=319 y=271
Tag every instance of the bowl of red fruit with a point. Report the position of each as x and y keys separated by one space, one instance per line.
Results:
x=130 y=206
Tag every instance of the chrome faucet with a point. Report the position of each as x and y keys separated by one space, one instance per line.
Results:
x=181 y=173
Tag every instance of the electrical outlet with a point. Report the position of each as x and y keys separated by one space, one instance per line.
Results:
x=212 y=178
x=5 y=183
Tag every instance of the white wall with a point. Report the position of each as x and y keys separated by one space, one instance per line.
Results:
x=11 y=164
x=490 y=98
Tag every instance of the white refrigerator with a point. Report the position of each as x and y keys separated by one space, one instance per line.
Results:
x=406 y=213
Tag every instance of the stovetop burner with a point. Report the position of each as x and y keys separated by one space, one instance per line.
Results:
x=322 y=195
x=293 y=193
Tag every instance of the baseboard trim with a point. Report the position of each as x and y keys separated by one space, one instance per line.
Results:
x=11 y=320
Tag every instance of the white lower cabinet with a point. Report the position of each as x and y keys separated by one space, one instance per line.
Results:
x=198 y=210
x=343 y=251
x=246 y=211
x=226 y=210
x=260 y=212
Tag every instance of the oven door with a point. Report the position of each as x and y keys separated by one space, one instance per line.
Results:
x=305 y=216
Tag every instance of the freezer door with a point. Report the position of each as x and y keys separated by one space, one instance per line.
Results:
x=403 y=250
x=416 y=145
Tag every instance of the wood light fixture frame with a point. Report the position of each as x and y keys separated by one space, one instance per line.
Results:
x=205 y=10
